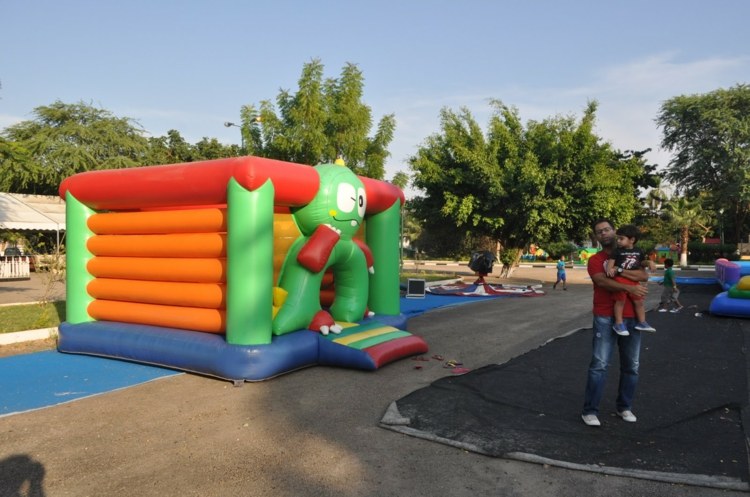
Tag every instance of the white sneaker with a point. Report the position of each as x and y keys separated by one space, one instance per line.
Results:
x=663 y=309
x=621 y=329
x=590 y=420
x=644 y=326
x=628 y=416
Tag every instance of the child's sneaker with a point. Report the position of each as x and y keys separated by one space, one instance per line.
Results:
x=621 y=329
x=662 y=309
x=676 y=310
x=644 y=326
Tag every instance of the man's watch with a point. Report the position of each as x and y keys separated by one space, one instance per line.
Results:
x=619 y=270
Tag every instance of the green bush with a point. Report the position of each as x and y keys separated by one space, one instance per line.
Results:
x=647 y=246
x=557 y=249
x=701 y=253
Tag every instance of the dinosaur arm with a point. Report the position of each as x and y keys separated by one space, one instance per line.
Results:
x=318 y=248
x=368 y=253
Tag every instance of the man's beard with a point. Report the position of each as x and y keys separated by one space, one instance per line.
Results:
x=609 y=244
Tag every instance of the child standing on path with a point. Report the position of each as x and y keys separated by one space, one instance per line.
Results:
x=561 y=273
x=671 y=292
x=628 y=256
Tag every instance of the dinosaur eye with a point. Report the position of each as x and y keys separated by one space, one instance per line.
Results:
x=346 y=197
x=361 y=202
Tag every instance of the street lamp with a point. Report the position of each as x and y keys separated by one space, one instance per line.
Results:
x=242 y=135
x=721 y=223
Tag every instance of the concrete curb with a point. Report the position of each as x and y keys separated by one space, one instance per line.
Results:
x=27 y=336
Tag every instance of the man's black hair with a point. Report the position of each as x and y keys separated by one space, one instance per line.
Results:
x=629 y=230
x=600 y=221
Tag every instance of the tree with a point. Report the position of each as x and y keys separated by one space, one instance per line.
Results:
x=411 y=229
x=209 y=149
x=710 y=137
x=653 y=219
x=169 y=149
x=14 y=176
x=400 y=179
x=656 y=198
x=687 y=214
x=65 y=139
x=515 y=185
x=324 y=119
x=173 y=149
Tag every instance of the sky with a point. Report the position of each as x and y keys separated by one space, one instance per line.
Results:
x=190 y=65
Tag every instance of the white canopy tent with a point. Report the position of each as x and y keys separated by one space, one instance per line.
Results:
x=32 y=212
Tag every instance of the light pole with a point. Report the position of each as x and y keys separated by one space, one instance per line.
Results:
x=242 y=135
x=721 y=223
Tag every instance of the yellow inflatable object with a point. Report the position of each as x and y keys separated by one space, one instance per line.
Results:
x=744 y=283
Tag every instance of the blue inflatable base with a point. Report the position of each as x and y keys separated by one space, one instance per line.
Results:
x=724 y=305
x=210 y=354
x=687 y=280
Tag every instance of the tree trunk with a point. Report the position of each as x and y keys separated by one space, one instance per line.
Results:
x=508 y=269
x=684 y=238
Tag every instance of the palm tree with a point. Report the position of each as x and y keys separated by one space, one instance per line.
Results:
x=687 y=214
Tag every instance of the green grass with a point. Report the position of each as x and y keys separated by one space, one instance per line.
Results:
x=31 y=316
x=427 y=276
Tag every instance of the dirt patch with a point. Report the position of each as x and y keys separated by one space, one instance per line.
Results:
x=28 y=347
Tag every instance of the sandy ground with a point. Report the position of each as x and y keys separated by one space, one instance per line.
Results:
x=309 y=433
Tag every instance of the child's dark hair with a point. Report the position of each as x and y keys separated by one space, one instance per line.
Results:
x=629 y=230
x=668 y=263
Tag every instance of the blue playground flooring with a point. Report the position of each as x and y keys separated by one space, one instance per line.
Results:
x=43 y=379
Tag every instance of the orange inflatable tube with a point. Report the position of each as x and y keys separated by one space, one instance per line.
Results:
x=173 y=245
x=155 y=269
x=187 y=318
x=156 y=222
x=206 y=295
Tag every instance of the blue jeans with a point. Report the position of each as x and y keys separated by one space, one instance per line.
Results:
x=604 y=341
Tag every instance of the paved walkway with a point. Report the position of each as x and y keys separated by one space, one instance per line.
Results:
x=41 y=286
x=312 y=432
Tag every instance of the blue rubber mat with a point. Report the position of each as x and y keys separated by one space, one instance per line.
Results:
x=43 y=379
x=412 y=307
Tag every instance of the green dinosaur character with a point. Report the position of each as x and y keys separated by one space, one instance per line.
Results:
x=328 y=224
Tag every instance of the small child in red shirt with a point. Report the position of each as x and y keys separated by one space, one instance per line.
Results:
x=628 y=257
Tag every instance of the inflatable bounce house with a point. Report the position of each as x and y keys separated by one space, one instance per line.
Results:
x=242 y=268
x=734 y=278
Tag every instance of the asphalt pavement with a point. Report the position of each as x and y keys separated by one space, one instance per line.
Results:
x=42 y=286
x=314 y=432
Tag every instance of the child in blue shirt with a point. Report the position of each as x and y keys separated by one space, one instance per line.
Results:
x=561 y=273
